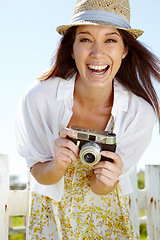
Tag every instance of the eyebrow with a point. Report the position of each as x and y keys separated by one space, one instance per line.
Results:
x=107 y=34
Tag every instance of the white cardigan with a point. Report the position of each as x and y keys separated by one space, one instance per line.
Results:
x=46 y=107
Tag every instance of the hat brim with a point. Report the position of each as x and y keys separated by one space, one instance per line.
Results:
x=62 y=29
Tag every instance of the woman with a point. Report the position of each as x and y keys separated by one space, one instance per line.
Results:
x=101 y=79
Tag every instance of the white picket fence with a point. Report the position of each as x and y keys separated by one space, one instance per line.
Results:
x=16 y=203
x=12 y=202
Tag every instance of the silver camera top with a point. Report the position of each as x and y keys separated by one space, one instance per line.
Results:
x=99 y=136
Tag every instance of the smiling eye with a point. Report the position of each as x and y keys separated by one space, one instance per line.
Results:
x=84 y=40
x=111 y=41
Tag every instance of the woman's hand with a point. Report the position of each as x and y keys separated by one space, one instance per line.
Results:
x=66 y=152
x=106 y=174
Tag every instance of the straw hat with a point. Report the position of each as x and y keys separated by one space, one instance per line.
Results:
x=109 y=13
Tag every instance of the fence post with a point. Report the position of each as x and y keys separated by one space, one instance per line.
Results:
x=4 y=196
x=28 y=204
x=152 y=181
x=133 y=202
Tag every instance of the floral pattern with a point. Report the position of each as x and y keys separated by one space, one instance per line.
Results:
x=80 y=214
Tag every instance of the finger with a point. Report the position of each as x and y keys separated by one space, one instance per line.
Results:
x=107 y=169
x=66 y=143
x=60 y=157
x=64 y=132
x=107 y=165
x=116 y=158
x=114 y=174
x=66 y=154
x=106 y=181
x=62 y=161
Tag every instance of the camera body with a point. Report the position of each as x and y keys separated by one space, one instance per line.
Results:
x=92 y=142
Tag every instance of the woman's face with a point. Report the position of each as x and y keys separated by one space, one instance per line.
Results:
x=98 y=53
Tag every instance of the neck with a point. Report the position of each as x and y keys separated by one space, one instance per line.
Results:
x=93 y=97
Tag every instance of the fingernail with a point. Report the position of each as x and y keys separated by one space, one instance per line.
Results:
x=74 y=134
x=104 y=153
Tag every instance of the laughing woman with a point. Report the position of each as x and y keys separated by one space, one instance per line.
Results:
x=101 y=79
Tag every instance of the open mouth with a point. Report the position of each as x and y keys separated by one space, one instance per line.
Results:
x=98 y=69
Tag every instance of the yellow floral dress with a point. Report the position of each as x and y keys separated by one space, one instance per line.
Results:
x=81 y=214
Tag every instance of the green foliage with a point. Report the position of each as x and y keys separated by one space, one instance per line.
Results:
x=143 y=231
x=141 y=180
x=16 y=237
x=142 y=227
x=15 y=184
x=17 y=221
x=142 y=213
x=143 y=238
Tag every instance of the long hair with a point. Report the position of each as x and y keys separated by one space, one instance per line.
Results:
x=63 y=65
x=137 y=72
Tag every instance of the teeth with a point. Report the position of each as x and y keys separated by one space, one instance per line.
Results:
x=98 y=67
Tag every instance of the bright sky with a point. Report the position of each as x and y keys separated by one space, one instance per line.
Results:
x=27 y=43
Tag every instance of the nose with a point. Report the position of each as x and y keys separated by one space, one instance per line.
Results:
x=98 y=50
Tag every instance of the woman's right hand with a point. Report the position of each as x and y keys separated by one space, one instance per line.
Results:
x=66 y=152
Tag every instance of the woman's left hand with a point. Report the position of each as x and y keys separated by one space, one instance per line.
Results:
x=108 y=173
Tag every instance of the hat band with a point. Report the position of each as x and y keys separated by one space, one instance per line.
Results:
x=100 y=15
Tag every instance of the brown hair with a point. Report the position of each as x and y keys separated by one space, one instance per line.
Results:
x=63 y=64
x=136 y=71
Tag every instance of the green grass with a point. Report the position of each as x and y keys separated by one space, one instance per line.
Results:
x=17 y=221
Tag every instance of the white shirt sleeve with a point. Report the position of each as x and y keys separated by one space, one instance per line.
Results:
x=35 y=141
x=136 y=136
x=134 y=119
x=41 y=114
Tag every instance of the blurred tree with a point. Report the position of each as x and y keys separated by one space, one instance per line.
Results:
x=15 y=184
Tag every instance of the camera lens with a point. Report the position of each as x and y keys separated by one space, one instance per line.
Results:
x=90 y=153
x=89 y=158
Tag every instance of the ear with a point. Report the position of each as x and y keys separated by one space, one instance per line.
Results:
x=125 y=52
x=72 y=55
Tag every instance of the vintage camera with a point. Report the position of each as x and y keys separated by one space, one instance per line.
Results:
x=92 y=142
